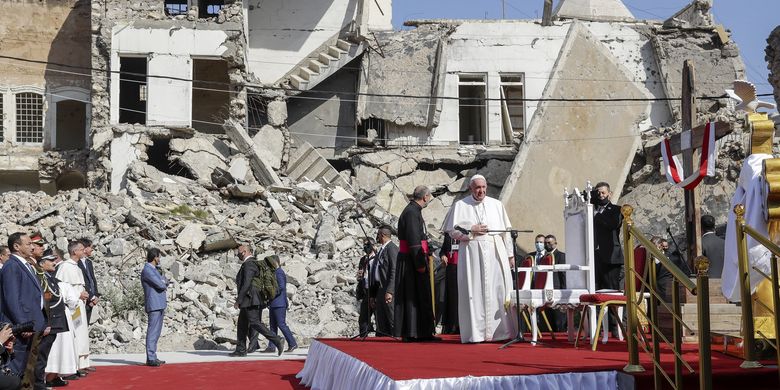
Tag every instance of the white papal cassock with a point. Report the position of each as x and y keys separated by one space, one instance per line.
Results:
x=70 y=273
x=484 y=275
x=63 y=359
x=749 y=192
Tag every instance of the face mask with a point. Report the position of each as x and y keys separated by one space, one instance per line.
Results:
x=539 y=246
x=603 y=202
x=548 y=248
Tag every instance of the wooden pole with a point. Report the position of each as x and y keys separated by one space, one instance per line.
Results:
x=692 y=197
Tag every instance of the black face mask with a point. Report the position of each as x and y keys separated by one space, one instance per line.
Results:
x=368 y=248
x=548 y=248
x=603 y=202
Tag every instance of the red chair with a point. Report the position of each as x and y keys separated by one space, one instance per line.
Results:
x=611 y=302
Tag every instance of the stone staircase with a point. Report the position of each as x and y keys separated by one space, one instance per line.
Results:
x=308 y=165
x=322 y=63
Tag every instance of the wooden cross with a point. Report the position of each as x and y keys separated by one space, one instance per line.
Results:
x=693 y=197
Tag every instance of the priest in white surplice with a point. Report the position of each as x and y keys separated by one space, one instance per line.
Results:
x=484 y=265
x=63 y=359
x=70 y=273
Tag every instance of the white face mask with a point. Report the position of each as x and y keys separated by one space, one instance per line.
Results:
x=539 y=246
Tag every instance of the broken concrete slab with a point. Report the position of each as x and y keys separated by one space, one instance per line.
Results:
x=191 y=237
x=263 y=172
x=369 y=177
x=435 y=180
x=39 y=215
x=391 y=199
x=277 y=112
x=239 y=168
x=245 y=190
x=339 y=194
x=270 y=142
x=218 y=239
x=278 y=212
x=201 y=154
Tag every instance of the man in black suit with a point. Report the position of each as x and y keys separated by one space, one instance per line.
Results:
x=712 y=246
x=90 y=283
x=557 y=318
x=382 y=281
x=606 y=236
x=361 y=289
x=249 y=303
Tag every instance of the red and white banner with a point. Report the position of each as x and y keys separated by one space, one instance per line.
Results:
x=673 y=166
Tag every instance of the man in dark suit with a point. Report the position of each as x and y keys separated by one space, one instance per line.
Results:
x=557 y=318
x=382 y=281
x=85 y=264
x=606 y=236
x=712 y=246
x=361 y=289
x=155 y=302
x=249 y=303
x=21 y=298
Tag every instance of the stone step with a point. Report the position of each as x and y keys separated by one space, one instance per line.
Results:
x=298 y=82
x=334 y=51
x=306 y=73
x=317 y=66
x=343 y=45
x=326 y=59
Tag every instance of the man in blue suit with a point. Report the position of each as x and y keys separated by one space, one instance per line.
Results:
x=155 y=302
x=21 y=298
x=278 y=308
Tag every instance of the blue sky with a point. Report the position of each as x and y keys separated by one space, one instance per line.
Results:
x=750 y=21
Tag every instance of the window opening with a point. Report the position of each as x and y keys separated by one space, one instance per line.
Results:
x=472 y=113
x=210 y=8
x=132 y=90
x=176 y=7
x=512 y=106
x=29 y=117
x=210 y=95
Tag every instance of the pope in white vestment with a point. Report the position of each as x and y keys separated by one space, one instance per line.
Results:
x=70 y=273
x=750 y=193
x=484 y=273
x=63 y=359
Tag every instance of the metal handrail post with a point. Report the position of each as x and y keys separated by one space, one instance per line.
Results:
x=628 y=256
x=657 y=375
x=775 y=301
x=677 y=334
x=748 y=331
x=703 y=306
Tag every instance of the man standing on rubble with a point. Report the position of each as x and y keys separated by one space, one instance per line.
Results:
x=414 y=317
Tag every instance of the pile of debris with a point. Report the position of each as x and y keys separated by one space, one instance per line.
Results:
x=314 y=229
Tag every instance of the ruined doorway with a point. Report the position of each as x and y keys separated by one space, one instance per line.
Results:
x=132 y=90
x=159 y=157
x=71 y=124
x=71 y=180
x=210 y=95
x=472 y=108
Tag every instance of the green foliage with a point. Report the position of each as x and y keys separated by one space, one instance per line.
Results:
x=189 y=212
x=123 y=302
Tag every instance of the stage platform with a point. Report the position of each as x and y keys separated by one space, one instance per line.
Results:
x=384 y=363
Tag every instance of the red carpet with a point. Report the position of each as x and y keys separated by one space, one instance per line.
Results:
x=402 y=361
x=195 y=376
x=450 y=358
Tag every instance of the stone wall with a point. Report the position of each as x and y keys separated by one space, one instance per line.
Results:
x=773 y=61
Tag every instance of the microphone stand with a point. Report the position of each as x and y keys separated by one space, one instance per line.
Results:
x=513 y=233
x=677 y=250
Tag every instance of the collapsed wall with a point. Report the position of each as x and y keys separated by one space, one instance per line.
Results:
x=773 y=61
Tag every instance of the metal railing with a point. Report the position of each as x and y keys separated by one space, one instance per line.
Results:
x=748 y=326
x=634 y=336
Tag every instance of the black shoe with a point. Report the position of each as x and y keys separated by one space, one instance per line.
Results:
x=82 y=373
x=409 y=339
x=93 y=369
x=253 y=348
x=278 y=342
x=270 y=349
x=430 y=338
x=73 y=377
x=57 y=382
x=154 y=363
x=291 y=348
x=237 y=354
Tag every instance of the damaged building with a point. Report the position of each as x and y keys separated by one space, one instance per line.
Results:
x=266 y=93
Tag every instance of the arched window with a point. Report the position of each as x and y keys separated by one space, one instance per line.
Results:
x=29 y=117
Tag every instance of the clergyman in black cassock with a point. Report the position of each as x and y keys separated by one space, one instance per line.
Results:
x=414 y=318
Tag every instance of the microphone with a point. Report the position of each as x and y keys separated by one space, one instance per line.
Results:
x=462 y=230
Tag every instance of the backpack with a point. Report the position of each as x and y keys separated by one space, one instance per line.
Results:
x=265 y=281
